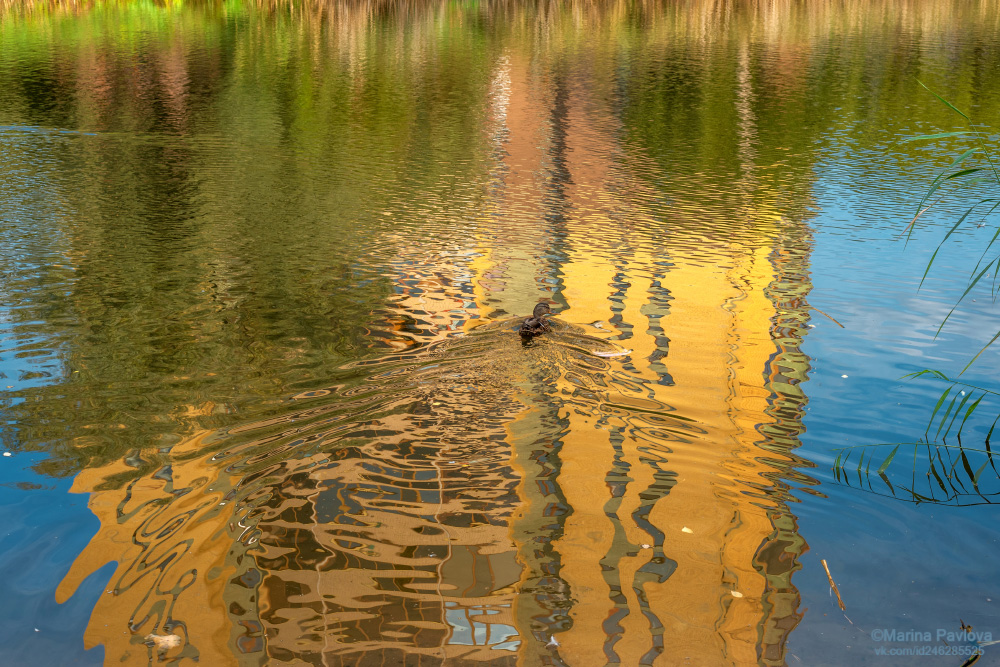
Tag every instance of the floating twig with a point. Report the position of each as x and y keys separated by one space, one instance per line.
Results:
x=833 y=585
x=830 y=316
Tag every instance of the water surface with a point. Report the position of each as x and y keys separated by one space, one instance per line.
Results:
x=262 y=269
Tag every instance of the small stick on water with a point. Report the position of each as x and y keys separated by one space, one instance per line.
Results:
x=830 y=316
x=833 y=585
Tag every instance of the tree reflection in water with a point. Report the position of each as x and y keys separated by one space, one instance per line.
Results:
x=276 y=262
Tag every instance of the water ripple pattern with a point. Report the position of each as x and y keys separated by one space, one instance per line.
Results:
x=263 y=270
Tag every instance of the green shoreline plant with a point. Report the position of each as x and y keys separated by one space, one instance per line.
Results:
x=948 y=466
x=959 y=173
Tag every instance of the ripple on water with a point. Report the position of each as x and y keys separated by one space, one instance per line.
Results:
x=390 y=493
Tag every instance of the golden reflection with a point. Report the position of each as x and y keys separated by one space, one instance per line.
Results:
x=689 y=573
x=180 y=566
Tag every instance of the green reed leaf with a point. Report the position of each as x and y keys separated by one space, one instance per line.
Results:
x=941 y=178
x=926 y=371
x=952 y=474
x=952 y=231
x=937 y=407
x=968 y=289
x=945 y=471
x=885 y=464
x=928 y=269
x=973 y=360
x=965 y=398
x=938 y=478
x=964 y=172
x=887 y=483
x=975 y=480
x=937 y=135
x=944 y=101
x=945 y=417
x=996 y=235
x=989 y=452
x=968 y=467
x=968 y=413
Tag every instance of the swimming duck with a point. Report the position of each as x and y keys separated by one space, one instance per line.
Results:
x=536 y=324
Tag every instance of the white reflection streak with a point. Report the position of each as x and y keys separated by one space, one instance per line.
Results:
x=499 y=96
x=747 y=132
x=497 y=130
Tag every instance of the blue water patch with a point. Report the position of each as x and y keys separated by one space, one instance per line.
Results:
x=45 y=527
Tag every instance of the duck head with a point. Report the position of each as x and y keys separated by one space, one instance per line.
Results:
x=541 y=309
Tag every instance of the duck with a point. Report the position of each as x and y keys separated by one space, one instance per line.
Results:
x=536 y=324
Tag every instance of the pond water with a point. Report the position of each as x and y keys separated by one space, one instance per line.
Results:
x=265 y=401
